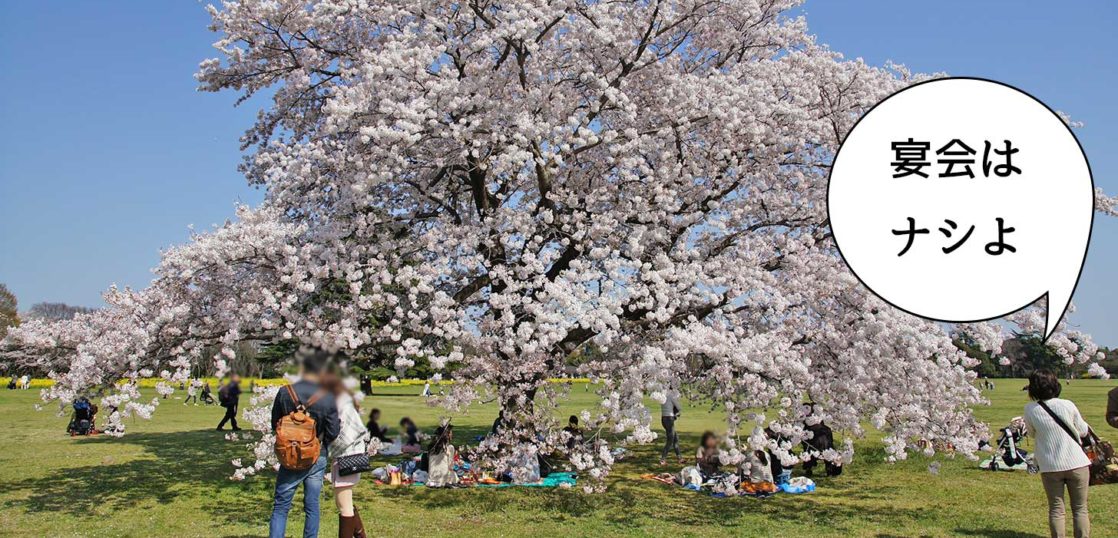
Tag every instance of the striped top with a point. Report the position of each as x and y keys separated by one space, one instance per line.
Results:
x=1055 y=450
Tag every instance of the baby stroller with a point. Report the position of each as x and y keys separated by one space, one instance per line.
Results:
x=81 y=422
x=1008 y=455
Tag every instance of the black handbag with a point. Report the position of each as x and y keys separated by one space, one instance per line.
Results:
x=353 y=464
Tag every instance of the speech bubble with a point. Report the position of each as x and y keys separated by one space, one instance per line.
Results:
x=974 y=248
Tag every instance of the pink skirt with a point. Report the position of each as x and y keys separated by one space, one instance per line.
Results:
x=343 y=481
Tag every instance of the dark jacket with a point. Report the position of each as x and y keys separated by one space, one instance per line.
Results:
x=1112 y=408
x=324 y=411
x=232 y=394
x=377 y=430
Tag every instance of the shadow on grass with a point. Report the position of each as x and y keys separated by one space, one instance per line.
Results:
x=193 y=464
x=194 y=467
x=985 y=533
x=631 y=504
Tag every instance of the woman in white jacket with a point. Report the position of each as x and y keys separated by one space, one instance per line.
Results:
x=352 y=439
x=1056 y=427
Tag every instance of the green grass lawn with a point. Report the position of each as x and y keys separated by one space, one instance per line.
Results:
x=169 y=477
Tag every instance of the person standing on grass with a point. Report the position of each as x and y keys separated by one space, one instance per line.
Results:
x=669 y=413
x=324 y=411
x=1057 y=427
x=229 y=396
x=1112 y=408
x=352 y=437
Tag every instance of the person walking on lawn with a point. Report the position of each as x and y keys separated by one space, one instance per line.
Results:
x=320 y=405
x=229 y=396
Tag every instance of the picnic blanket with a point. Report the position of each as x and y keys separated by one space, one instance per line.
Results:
x=553 y=480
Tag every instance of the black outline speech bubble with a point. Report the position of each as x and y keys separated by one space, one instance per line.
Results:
x=1045 y=295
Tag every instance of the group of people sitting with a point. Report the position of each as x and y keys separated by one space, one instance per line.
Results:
x=409 y=432
x=760 y=467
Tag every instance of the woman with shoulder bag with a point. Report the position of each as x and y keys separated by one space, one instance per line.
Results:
x=350 y=458
x=1057 y=427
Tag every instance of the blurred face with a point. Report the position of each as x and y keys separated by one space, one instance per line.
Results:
x=711 y=442
x=235 y=378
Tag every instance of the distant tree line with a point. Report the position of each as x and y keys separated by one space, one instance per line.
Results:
x=1027 y=353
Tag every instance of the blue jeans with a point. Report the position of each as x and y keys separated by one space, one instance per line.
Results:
x=286 y=484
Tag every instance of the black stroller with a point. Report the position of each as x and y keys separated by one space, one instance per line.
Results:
x=82 y=421
x=1008 y=455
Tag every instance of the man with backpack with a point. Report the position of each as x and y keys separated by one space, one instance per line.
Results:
x=305 y=421
x=229 y=395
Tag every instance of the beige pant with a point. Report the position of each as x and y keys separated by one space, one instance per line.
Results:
x=1075 y=481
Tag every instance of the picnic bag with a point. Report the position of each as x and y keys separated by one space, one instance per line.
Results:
x=1104 y=464
x=297 y=445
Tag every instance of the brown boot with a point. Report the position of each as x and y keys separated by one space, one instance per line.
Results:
x=359 y=527
x=346 y=526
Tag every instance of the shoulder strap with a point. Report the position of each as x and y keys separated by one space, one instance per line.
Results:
x=315 y=397
x=294 y=397
x=1059 y=421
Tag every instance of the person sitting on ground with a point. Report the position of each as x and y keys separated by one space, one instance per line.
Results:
x=409 y=434
x=440 y=459
x=756 y=467
x=706 y=457
x=776 y=468
x=378 y=432
x=574 y=432
x=323 y=409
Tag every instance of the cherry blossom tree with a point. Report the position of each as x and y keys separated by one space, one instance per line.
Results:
x=499 y=187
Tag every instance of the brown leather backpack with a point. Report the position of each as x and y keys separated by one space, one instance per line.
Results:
x=297 y=445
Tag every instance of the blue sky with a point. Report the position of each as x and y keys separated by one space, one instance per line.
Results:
x=107 y=152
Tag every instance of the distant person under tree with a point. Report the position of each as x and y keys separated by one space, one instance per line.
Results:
x=229 y=395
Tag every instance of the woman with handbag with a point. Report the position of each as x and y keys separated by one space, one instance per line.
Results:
x=350 y=457
x=1056 y=426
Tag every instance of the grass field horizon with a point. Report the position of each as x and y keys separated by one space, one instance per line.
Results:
x=170 y=477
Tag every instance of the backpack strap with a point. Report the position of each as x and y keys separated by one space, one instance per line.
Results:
x=318 y=394
x=1060 y=421
x=294 y=397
